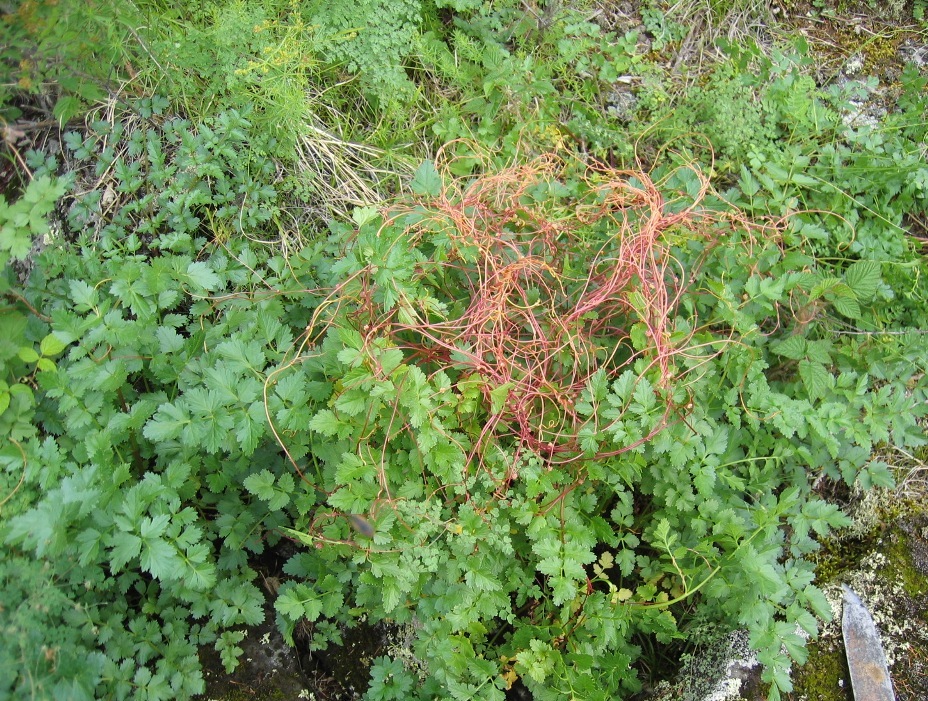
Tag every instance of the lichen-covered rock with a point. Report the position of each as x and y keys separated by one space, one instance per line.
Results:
x=885 y=560
x=725 y=669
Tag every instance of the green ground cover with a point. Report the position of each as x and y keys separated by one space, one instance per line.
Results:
x=547 y=330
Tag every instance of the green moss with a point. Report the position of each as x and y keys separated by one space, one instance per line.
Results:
x=902 y=565
x=825 y=677
x=839 y=556
x=879 y=52
x=900 y=534
x=249 y=694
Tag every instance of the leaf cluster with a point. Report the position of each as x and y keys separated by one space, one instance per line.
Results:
x=177 y=398
x=131 y=467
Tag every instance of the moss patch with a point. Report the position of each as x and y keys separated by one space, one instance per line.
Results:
x=888 y=566
x=825 y=677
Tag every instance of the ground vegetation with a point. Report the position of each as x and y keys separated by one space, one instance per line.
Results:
x=556 y=336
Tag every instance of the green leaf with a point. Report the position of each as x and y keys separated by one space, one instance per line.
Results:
x=83 y=295
x=168 y=423
x=12 y=329
x=847 y=305
x=352 y=357
x=353 y=401
x=261 y=485
x=350 y=337
x=352 y=468
x=200 y=574
x=863 y=277
x=363 y=215
x=793 y=347
x=28 y=354
x=297 y=602
x=563 y=589
x=644 y=398
x=390 y=359
x=125 y=547
x=819 y=351
x=824 y=286
x=45 y=365
x=160 y=559
x=228 y=648
x=815 y=598
x=426 y=181
x=499 y=396
x=66 y=108
x=538 y=661
x=51 y=345
x=250 y=428
x=154 y=526
x=876 y=474
x=326 y=423
x=201 y=276
x=815 y=377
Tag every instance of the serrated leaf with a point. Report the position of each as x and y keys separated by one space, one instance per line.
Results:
x=563 y=589
x=863 y=277
x=817 y=601
x=390 y=359
x=538 y=661
x=353 y=401
x=350 y=337
x=201 y=276
x=643 y=396
x=793 y=348
x=250 y=428
x=362 y=215
x=846 y=305
x=261 y=485
x=426 y=181
x=154 y=526
x=51 y=345
x=824 y=286
x=876 y=474
x=66 y=108
x=46 y=365
x=815 y=377
x=589 y=440
x=352 y=468
x=819 y=352
x=622 y=595
x=160 y=559
x=124 y=547
x=229 y=652
x=499 y=396
x=169 y=341
x=83 y=295
x=354 y=499
x=352 y=357
x=325 y=422
x=167 y=424
x=298 y=602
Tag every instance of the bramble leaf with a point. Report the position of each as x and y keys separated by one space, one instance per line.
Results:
x=815 y=377
x=793 y=347
x=863 y=277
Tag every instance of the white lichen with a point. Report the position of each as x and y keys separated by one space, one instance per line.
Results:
x=716 y=672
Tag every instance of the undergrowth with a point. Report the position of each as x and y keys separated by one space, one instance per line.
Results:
x=558 y=398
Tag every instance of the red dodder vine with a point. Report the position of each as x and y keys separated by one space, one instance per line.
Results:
x=544 y=283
